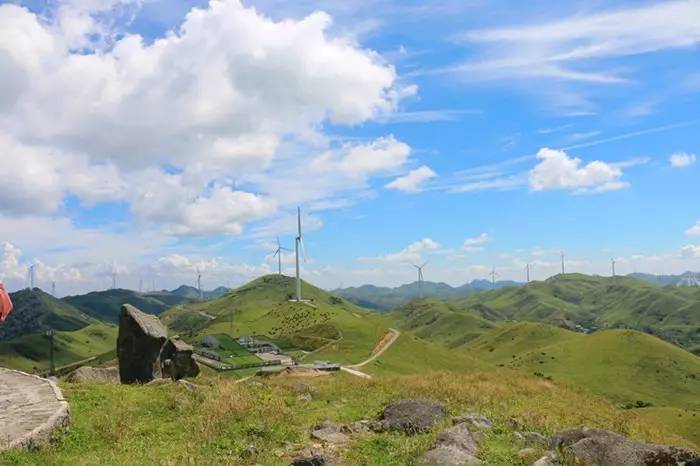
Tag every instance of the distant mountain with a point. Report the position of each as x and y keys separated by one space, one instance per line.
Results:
x=685 y=279
x=105 y=305
x=36 y=312
x=386 y=298
x=191 y=292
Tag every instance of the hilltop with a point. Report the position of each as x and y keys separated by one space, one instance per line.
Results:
x=190 y=292
x=587 y=303
x=105 y=305
x=386 y=298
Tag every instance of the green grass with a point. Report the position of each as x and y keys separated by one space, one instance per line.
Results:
x=623 y=365
x=232 y=352
x=132 y=425
x=31 y=352
x=342 y=331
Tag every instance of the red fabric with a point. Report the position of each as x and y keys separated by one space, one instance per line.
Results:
x=5 y=303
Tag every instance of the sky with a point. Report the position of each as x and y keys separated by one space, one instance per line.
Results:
x=149 y=139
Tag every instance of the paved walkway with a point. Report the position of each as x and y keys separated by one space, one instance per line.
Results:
x=31 y=408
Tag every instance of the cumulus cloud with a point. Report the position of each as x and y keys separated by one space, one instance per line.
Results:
x=413 y=181
x=411 y=253
x=690 y=251
x=362 y=160
x=694 y=230
x=476 y=243
x=557 y=170
x=681 y=160
x=212 y=101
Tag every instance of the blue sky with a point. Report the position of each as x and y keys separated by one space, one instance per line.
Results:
x=151 y=139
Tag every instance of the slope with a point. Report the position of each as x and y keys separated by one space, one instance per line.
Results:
x=263 y=307
x=105 y=305
x=36 y=312
x=624 y=365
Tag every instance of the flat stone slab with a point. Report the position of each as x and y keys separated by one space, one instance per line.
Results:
x=31 y=409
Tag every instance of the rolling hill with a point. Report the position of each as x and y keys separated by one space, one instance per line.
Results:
x=190 y=292
x=105 y=305
x=386 y=298
x=571 y=300
x=36 y=312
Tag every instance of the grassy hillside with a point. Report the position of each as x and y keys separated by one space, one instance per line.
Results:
x=671 y=313
x=624 y=365
x=263 y=307
x=30 y=353
x=105 y=305
x=36 y=311
x=440 y=321
x=190 y=292
x=131 y=425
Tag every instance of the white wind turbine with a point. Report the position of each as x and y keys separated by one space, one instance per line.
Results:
x=278 y=253
x=199 y=283
x=299 y=248
x=493 y=276
x=420 y=278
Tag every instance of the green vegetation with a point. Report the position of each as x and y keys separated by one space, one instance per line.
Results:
x=105 y=305
x=30 y=353
x=133 y=425
x=342 y=331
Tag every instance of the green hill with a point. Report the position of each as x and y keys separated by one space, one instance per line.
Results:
x=625 y=366
x=572 y=300
x=263 y=308
x=36 y=312
x=190 y=292
x=105 y=305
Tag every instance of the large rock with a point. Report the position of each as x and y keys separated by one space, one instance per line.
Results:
x=603 y=448
x=455 y=446
x=177 y=361
x=141 y=337
x=412 y=416
x=94 y=374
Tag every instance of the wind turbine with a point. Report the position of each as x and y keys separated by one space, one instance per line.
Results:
x=278 y=253
x=199 y=283
x=527 y=272
x=53 y=289
x=493 y=276
x=562 y=263
x=420 y=278
x=299 y=247
x=30 y=276
x=612 y=261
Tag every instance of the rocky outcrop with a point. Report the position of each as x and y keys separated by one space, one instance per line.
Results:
x=94 y=375
x=411 y=416
x=139 y=343
x=330 y=432
x=603 y=448
x=177 y=361
x=474 y=420
x=457 y=445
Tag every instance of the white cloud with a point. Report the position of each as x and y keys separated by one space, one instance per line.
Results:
x=214 y=101
x=556 y=170
x=413 y=181
x=563 y=49
x=412 y=253
x=476 y=243
x=362 y=160
x=694 y=230
x=690 y=251
x=681 y=160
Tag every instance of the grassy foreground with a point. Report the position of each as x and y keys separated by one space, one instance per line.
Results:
x=168 y=425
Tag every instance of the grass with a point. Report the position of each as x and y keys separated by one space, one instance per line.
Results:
x=232 y=352
x=132 y=425
x=30 y=353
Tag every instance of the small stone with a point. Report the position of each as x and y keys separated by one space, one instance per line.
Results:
x=527 y=452
x=330 y=432
x=474 y=420
x=447 y=456
x=412 y=416
x=249 y=452
x=304 y=397
x=309 y=461
x=94 y=375
x=532 y=438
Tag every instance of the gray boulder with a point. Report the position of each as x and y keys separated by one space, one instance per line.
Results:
x=412 y=416
x=330 y=432
x=141 y=337
x=177 y=361
x=94 y=374
x=455 y=446
x=476 y=420
x=604 y=448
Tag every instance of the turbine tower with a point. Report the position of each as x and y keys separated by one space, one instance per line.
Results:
x=420 y=278
x=278 y=253
x=199 y=283
x=30 y=276
x=493 y=276
x=527 y=272
x=612 y=261
x=562 y=263
x=114 y=279
x=53 y=289
x=299 y=248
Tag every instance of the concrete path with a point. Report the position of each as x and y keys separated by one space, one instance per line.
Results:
x=31 y=409
x=379 y=350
